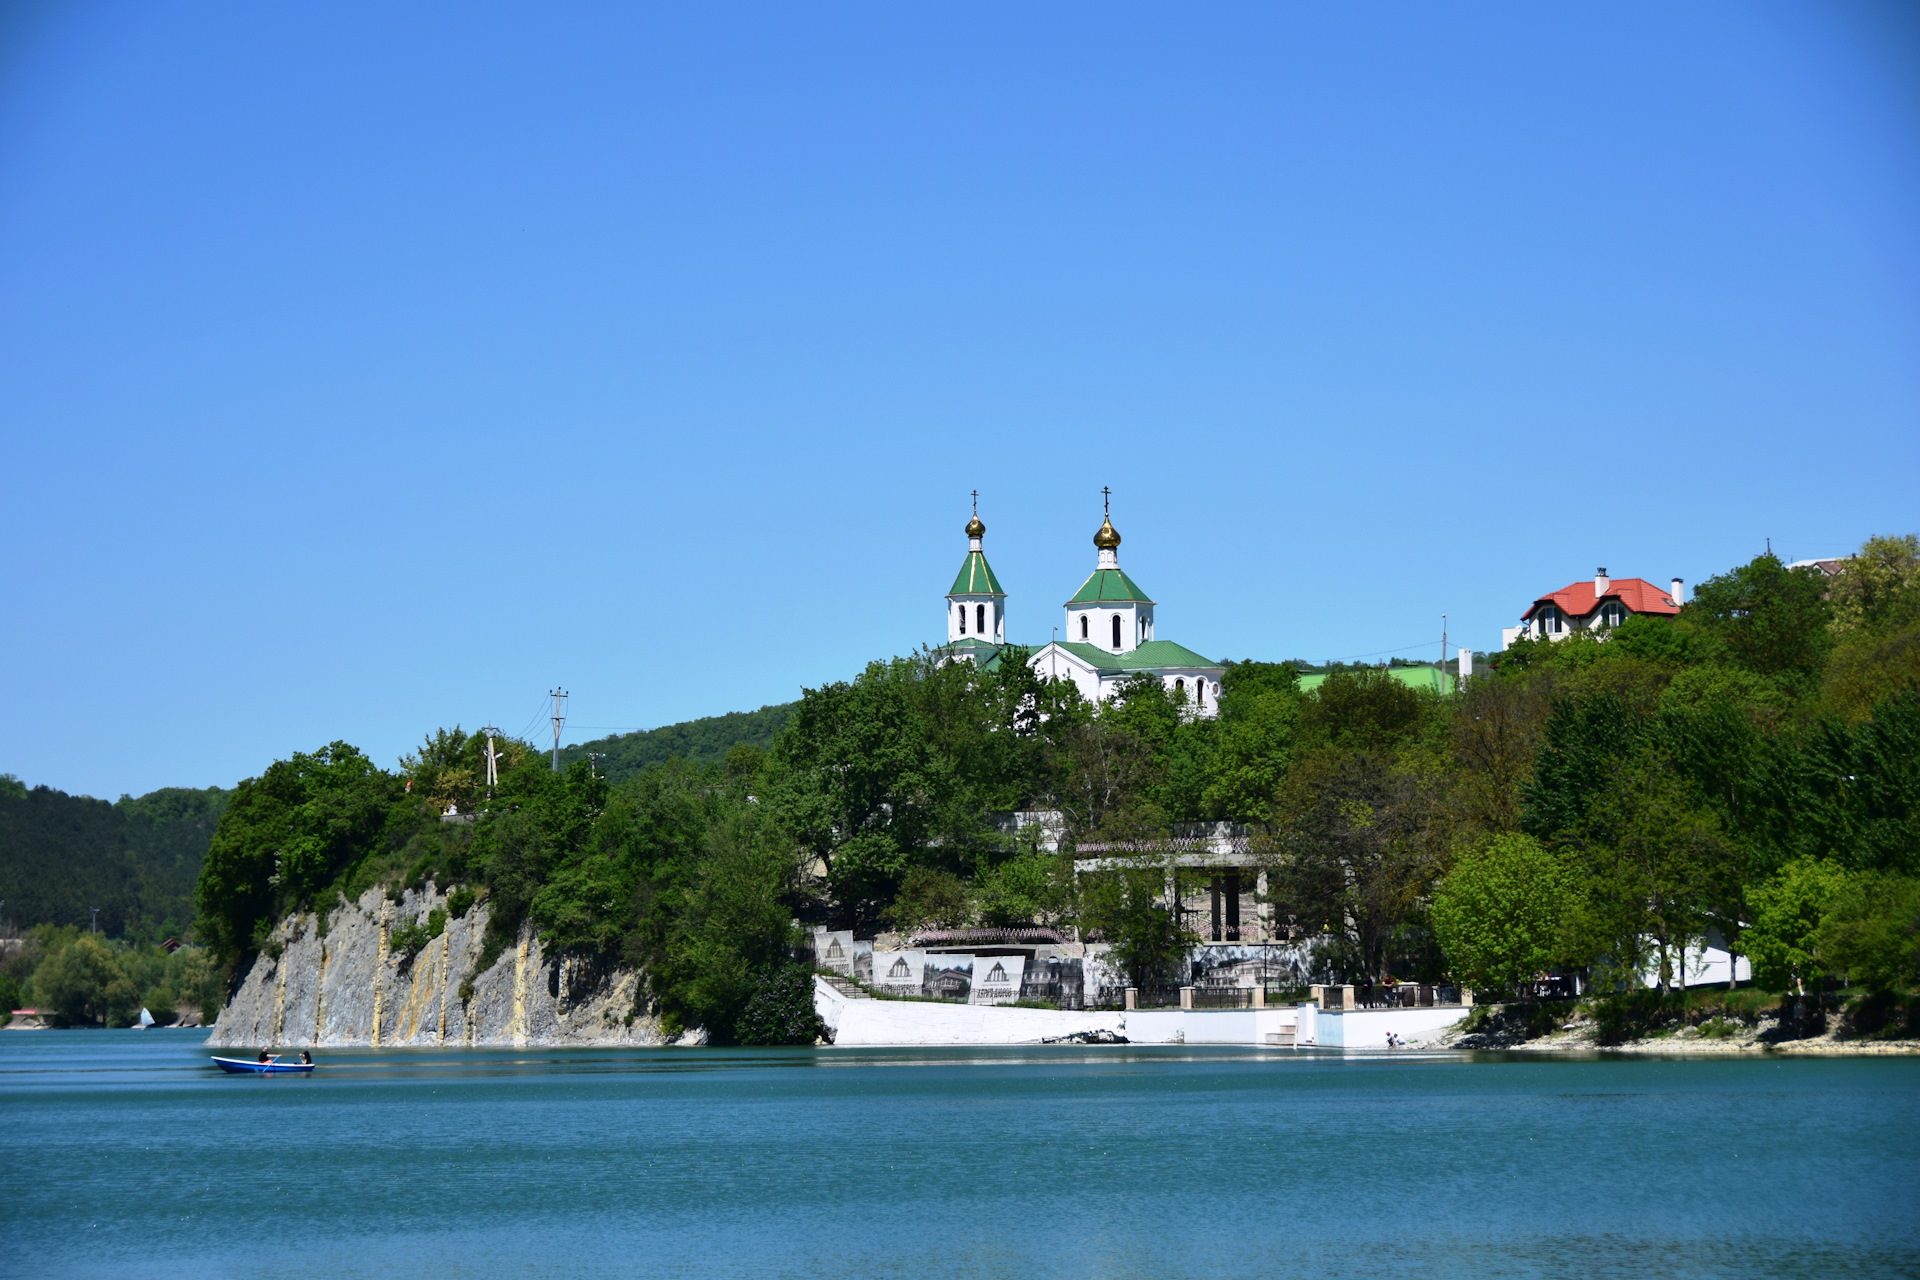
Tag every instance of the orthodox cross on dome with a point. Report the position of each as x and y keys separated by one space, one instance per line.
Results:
x=1106 y=502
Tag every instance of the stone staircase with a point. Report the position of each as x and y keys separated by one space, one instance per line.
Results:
x=846 y=987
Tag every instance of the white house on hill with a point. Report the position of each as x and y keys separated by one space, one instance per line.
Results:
x=1591 y=606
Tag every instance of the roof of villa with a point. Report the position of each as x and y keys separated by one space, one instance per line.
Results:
x=1577 y=599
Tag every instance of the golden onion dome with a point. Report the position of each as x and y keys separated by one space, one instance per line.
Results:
x=1108 y=539
x=974 y=528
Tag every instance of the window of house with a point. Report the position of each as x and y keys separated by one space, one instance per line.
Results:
x=980 y=618
x=1613 y=614
x=1083 y=626
x=1116 y=631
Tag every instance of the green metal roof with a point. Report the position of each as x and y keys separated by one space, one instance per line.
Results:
x=976 y=578
x=1152 y=654
x=1109 y=585
x=985 y=653
x=1413 y=677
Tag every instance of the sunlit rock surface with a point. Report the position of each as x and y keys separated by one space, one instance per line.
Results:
x=350 y=988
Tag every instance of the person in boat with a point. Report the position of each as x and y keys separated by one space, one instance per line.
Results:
x=264 y=1057
x=306 y=1059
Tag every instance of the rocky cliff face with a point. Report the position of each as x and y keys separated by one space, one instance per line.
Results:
x=351 y=988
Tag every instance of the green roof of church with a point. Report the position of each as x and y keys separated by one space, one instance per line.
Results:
x=976 y=578
x=985 y=653
x=1153 y=653
x=1109 y=585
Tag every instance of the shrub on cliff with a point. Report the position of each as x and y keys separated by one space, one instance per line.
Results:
x=780 y=1010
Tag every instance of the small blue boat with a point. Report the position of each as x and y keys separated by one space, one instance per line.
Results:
x=272 y=1066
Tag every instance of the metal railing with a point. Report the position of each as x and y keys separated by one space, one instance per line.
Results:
x=1223 y=997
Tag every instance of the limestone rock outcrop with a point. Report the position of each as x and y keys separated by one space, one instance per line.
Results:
x=346 y=986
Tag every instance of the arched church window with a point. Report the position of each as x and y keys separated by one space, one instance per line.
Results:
x=963 y=619
x=980 y=618
x=1199 y=693
x=1083 y=626
x=1179 y=690
x=1116 y=631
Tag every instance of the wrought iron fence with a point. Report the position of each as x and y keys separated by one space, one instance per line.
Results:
x=1223 y=997
x=1156 y=997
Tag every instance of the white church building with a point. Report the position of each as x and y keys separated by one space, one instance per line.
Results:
x=1109 y=629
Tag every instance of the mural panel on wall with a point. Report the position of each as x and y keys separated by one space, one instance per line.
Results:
x=997 y=979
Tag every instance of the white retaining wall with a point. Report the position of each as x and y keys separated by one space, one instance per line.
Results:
x=1367 y=1028
x=919 y=1022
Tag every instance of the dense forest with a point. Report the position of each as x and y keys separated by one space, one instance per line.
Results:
x=136 y=860
x=1749 y=770
x=703 y=741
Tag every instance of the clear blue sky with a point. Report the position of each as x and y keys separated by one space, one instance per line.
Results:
x=370 y=368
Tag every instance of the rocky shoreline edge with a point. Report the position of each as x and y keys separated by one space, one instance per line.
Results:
x=1517 y=1029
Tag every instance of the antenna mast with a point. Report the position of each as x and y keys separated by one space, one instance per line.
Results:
x=493 y=760
x=559 y=718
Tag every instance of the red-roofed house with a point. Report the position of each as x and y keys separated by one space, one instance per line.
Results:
x=1588 y=606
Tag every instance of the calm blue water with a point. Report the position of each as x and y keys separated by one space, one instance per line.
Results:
x=126 y=1154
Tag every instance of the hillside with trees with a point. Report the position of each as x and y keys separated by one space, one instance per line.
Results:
x=1749 y=770
x=703 y=741
x=136 y=860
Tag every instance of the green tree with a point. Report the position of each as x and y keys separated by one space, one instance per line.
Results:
x=289 y=836
x=1253 y=744
x=1772 y=619
x=1503 y=913
x=1871 y=932
x=1876 y=582
x=1124 y=906
x=1658 y=863
x=83 y=984
x=732 y=927
x=1788 y=911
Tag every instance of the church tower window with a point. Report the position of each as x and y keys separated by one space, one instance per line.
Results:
x=980 y=619
x=1083 y=626
x=1116 y=631
x=963 y=619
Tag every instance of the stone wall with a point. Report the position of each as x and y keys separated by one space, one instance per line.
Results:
x=350 y=988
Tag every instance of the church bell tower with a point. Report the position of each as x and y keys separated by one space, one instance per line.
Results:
x=976 y=606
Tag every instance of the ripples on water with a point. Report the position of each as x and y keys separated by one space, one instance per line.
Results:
x=127 y=1155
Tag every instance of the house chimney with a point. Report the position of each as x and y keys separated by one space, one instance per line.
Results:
x=1601 y=583
x=1679 y=591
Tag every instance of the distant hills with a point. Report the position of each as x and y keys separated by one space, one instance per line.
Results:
x=136 y=860
x=706 y=741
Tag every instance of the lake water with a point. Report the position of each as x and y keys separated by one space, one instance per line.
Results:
x=127 y=1155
